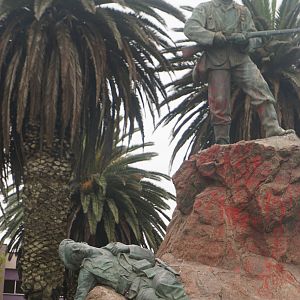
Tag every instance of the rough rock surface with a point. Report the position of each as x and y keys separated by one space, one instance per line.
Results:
x=104 y=293
x=235 y=233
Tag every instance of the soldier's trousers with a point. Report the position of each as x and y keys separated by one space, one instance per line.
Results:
x=248 y=77
x=164 y=286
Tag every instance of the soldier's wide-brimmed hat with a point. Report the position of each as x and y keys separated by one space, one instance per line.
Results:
x=65 y=254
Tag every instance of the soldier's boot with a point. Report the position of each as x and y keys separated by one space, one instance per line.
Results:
x=222 y=134
x=268 y=118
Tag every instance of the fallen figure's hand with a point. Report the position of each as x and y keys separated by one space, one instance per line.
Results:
x=119 y=248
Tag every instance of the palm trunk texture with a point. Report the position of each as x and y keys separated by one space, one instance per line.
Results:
x=47 y=205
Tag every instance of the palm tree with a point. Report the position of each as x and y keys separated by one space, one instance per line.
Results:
x=11 y=221
x=68 y=70
x=122 y=203
x=278 y=61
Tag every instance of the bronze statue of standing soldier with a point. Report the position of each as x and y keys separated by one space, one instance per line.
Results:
x=219 y=26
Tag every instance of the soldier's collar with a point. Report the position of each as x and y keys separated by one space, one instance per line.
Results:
x=219 y=3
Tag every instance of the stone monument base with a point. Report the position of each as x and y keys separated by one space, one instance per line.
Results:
x=104 y=293
x=235 y=233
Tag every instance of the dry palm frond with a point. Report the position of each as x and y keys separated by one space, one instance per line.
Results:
x=71 y=68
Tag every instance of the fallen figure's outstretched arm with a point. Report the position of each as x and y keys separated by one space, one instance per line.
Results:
x=86 y=282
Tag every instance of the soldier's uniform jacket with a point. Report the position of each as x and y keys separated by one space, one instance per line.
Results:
x=117 y=271
x=214 y=16
x=128 y=273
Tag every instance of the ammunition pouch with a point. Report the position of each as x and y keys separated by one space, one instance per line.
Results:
x=200 y=71
x=128 y=287
x=141 y=265
x=134 y=289
x=123 y=285
x=150 y=273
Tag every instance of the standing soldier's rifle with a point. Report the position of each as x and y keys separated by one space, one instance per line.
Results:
x=191 y=50
x=199 y=72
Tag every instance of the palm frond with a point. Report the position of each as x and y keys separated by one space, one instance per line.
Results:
x=73 y=70
x=40 y=7
x=11 y=221
x=124 y=197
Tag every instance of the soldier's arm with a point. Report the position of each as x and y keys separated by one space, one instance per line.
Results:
x=86 y=281
x=195 y=29
x=135 y=252
x=117 y=247
x=253 y=42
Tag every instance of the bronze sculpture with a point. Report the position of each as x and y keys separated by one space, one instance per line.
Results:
x=219 y=26
x=129 y=269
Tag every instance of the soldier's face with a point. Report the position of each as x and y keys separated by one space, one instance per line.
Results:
x=77 y=252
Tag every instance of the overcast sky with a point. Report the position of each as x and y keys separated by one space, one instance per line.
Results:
x=161 y=137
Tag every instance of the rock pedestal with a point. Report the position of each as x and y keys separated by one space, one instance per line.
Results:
x=235 y=233
x=104 y=293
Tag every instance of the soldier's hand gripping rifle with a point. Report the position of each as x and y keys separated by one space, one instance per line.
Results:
x=199 y=73
x=191 y=50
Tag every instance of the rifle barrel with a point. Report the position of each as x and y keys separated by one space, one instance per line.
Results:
x=265 y=33
x=193 y=49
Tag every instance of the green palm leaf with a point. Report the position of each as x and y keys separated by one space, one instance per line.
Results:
x=128 y=198
x=11 y=220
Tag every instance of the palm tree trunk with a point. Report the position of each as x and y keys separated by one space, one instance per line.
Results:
x=46 y=204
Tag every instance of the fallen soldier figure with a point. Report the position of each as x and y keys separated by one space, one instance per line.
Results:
x=130 y=270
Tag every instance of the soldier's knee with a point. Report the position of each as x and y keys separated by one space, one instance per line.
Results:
x=167 y=286
x=164 y=277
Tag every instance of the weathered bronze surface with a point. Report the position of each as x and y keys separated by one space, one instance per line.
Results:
x=221 y=27
x=129 y=269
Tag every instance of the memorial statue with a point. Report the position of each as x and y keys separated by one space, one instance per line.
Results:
x=220 y=27
x=129 y=269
